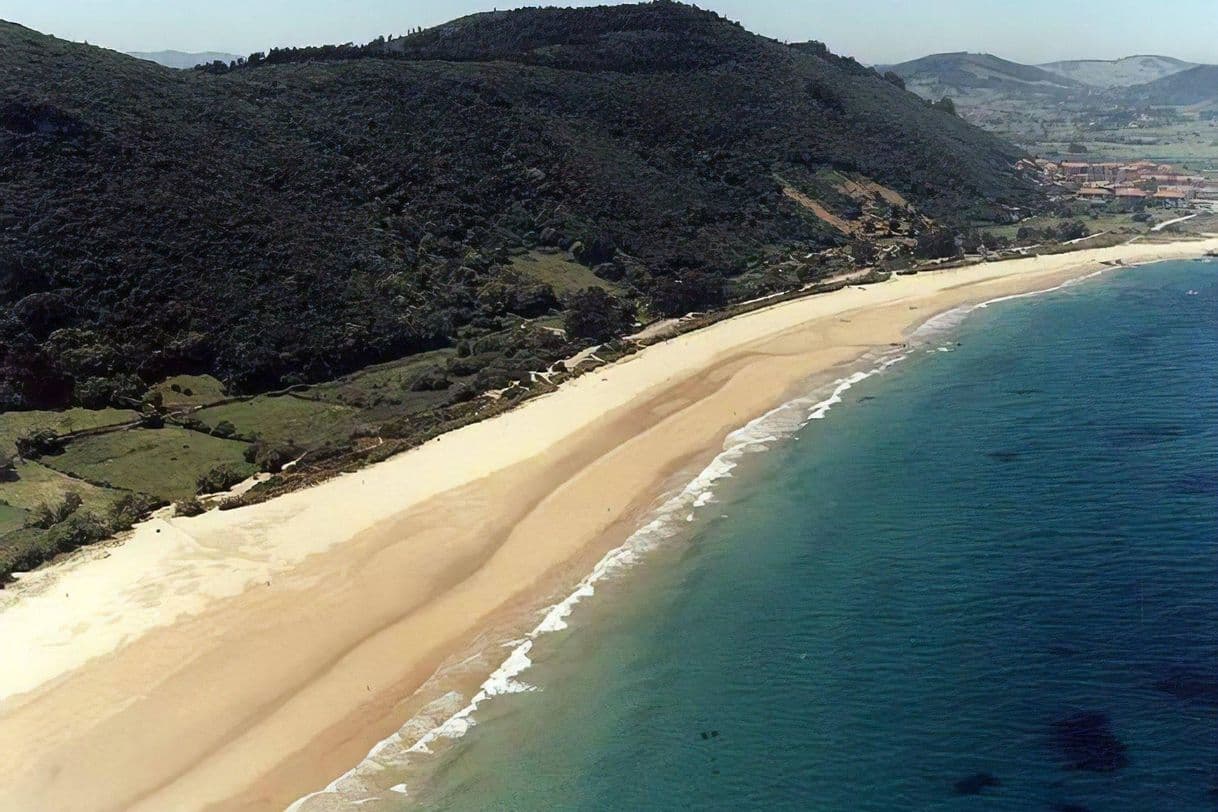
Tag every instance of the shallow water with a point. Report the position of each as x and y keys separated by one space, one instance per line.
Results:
x=987 y=579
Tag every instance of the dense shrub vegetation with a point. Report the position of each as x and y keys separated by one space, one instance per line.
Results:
x=316 y=211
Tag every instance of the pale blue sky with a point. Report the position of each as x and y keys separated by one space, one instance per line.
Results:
x=871 y=30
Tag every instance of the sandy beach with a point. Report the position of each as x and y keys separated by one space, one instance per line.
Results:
x=243 y=659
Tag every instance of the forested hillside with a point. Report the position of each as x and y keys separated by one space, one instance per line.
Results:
x=957 y=74
x=302 y=216
x=1193 y=86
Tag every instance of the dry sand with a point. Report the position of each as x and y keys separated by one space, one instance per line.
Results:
x=242 y=659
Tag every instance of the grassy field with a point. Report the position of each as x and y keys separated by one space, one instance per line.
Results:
x=36 y=484
x=15 y=424
x=183 y=391
x=559 y=272
x=384 y=389
x=1178 y=135
x=1191 y=144
x=1206 y=223
x=1096 y=222
x=11 y=518
x=162 y=462
x=307 y=423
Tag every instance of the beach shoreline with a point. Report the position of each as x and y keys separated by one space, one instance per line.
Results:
x=246 y=658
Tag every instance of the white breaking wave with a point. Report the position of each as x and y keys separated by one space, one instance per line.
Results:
x=951 y=319
x=419 y=734
x=757 y=435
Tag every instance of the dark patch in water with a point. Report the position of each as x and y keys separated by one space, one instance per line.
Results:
x=1026 y=392
x=1190 y=686
x=1147 y=435
x=1086 y=743
x=1069 y=808
x=1062 y=650
x=1198 y=482
x=973 y=784
x=866 y=398
x=710 y=734
x=1004 y=456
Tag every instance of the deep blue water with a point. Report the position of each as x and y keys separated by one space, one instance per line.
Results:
x=999 y=562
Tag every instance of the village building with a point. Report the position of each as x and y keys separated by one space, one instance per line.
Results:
x=1130 y=183
x=1097 y=194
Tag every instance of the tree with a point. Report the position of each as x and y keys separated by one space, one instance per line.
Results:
x=39 y=442
x=271 y=457
x=592 y=313
x=937 y=244
x=595 y=250
x=893 y=78
x=433 y=380
x=46 y=516
x=220 y=478
x=864 y=253
x=946 y=105
x=826 y=94
x=77 y=531
x=686 y=291
x=1072 y=231
x=94 y=393
x=189 y=507
x=8 y=467
x=129 y=509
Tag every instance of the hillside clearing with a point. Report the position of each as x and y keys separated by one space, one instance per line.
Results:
x=165 y=462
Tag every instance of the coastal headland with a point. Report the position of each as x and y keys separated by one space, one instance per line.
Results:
x=244 y=658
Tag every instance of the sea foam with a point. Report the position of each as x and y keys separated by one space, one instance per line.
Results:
x=419 y=735
x=668 y=520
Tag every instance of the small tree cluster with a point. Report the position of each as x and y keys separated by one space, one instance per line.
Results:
x=47 y=515
x=220 y=478
x=594 y=314
x=271 y=457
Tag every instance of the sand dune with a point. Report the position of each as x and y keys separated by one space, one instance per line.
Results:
x=245 y=658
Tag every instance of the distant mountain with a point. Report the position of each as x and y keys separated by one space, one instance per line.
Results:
x=306 y=215
x=183 y=59
x=1193 y=86
x=1132 y=70
x=965 y=74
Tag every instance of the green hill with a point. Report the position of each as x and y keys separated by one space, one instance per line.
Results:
x=1193 y=86
x=965 y=74
x=307 y=215
x=1107 y=73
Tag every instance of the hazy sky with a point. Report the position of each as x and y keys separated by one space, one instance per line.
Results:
x=871 y=30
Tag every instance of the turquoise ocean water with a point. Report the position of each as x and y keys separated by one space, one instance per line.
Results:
x=987 y=579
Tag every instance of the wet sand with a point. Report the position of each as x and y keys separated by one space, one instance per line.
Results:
x=242 y=659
